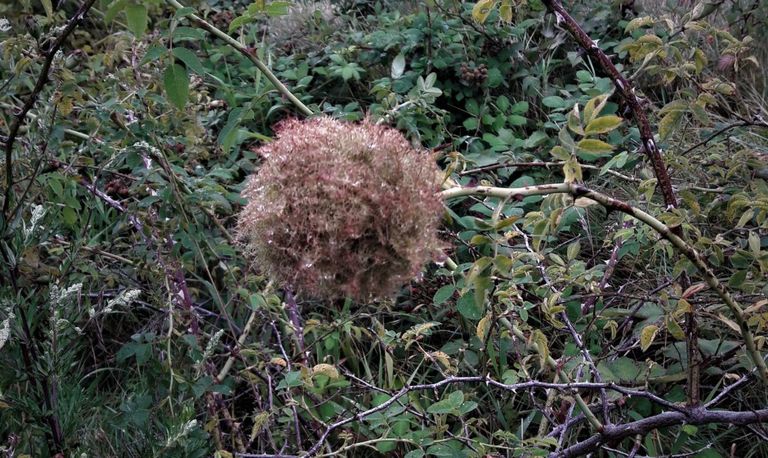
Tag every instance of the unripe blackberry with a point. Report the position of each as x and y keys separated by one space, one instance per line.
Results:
x=340 y=209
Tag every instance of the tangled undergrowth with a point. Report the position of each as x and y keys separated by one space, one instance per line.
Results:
x=148 y=164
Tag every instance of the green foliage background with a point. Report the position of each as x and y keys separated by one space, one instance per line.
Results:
x=155 y=337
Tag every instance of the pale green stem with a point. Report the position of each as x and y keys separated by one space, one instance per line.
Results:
x=663 y=230
x=250 y=55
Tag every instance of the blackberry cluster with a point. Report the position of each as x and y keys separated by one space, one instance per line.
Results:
x=492 y=47
x=116 y=187
x=476 y=75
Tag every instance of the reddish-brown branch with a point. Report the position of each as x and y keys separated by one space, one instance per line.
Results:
x=627 y=92
x=42 y=80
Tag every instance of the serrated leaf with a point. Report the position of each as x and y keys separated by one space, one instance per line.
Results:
x=468 y=308
x=573 y=250
x=647 y=335
x=448 y=405
x=558 y=152
x=593 y=108
x=602 y=125
x=136 y=19
x=190 y=60
x=176 y=82
x=593 y=145
x=482 y=10
x=153 y=54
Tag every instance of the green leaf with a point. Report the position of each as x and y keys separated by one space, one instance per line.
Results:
x=737 y=279
x=69 y=216
x=112 y=10
x=137 y=19
x=176 y=81
x=602 y=125
x=152 y=54
x=553 y=101
x=443 y=294
x=190 y=60
x=48 y=7
x=467 y=307
x=398 y=66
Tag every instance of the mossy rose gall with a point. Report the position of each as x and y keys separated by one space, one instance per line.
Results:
x=341 y=209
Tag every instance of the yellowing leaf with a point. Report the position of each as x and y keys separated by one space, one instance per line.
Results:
x=593 y=145
x=612 y=326
x=674 y=329
x=602 y=124
x=668 y=123
x=327 y=370
x=593 y=108
x=482 y=9
x=584 y=202
x=728 y=322
x=572 y=170
x=542 y=345
x=574 y=120
x=483 y=326
x=443 y=359
x=638 y=22
x=754 y=243
x=505 y=11
x=558 y=152
x=647 y=335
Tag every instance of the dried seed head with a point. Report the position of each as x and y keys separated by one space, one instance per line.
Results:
x=340 y=209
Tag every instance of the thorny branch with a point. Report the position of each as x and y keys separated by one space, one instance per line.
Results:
x=42 y=80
